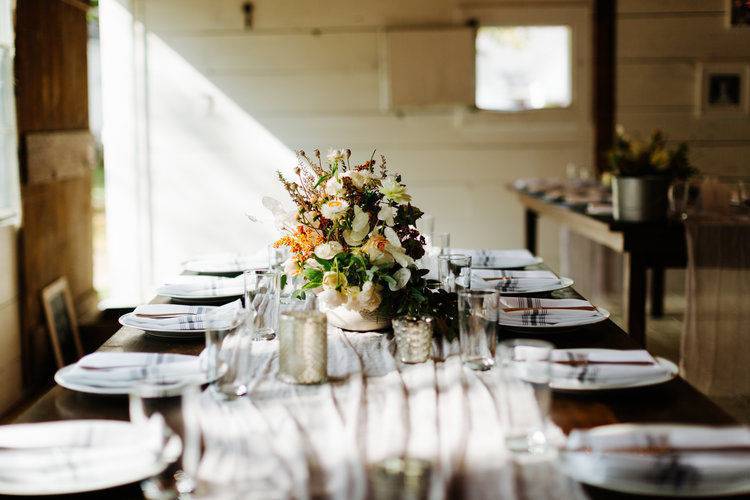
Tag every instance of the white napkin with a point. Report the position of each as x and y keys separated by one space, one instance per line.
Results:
x=512 y=280
x=193 y=318
x=533 y=311
x=677 y=458
x=202 y=286
x=70 y=451
x=498 y=258
x=606 y=366
x=122 y=369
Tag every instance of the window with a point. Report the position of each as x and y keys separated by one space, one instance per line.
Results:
x=521 y=68
x=8 y=150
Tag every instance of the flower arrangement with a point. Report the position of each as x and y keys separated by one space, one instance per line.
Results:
x=353 y=238
x=631 y=157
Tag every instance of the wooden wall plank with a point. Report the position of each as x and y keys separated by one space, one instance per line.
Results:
x=57 y=156
x=8 y=265
x=662 y=83
x=626 y=7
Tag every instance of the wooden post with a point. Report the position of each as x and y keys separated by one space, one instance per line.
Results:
x=604 y=76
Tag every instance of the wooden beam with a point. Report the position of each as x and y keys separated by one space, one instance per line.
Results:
x=58 y=156
x=604 y=47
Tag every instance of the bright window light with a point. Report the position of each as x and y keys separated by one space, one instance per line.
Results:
x=523 y=67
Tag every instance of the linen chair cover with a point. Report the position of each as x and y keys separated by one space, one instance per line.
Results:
x=715 y=357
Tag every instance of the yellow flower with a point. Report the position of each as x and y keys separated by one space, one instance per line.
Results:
x=333 y=280
x=660 y=158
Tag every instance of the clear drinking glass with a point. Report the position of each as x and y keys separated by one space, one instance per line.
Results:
x=477 y=322
x=229 y=342
x=442 y=241
x=525 y=371
x=426 y=226
x=277 y=257
x=262 y=295
x=151 y=397
x=454 y=271
x=413 y=338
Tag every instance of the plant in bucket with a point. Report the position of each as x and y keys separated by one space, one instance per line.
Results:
x=353 y=240
x=642 y=174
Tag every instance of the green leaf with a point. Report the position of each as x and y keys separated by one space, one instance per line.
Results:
x=311 y=284
x=325 y=263
x=322 y=179
x=388 y=279
x=283 y=281
x=312 y=274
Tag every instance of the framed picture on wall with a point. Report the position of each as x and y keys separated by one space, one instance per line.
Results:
x=61 y=322
x=722 y=88
x=737 y=13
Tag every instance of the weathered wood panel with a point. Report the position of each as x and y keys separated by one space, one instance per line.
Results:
x=58 y=156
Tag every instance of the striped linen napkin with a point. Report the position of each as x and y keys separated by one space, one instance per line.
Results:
x=202 y=286
x=532 y=311
x=670 y=457
x=498 y=259
x=178 y=317
x=75 y=451
x=512 y=281
x=122 y=369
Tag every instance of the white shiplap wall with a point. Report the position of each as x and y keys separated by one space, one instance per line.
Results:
x=312 y=74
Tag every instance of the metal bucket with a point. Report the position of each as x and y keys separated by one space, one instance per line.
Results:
x=639 y=199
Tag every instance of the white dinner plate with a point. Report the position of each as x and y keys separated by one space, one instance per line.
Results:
x=218 y=297
x=61 y=377
x=499 y=259
x=650 y=475
x=565 y=325
x=132 y=472
x=224 y=263
x=574 y=385
x=563 y=283
x=163 y=333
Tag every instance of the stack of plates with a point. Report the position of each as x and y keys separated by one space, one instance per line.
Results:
x=193 y=289
x=174 y=321
x=225 y=263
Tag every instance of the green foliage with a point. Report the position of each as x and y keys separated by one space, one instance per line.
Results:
x=630 y=157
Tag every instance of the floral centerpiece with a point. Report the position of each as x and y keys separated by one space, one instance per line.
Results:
x=353 y=240
x=643 y=171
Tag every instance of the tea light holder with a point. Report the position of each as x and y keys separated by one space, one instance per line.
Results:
x=303 y=347
x=398 y=478
x=413 y=338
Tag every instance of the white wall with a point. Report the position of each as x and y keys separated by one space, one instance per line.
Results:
x=227 y=106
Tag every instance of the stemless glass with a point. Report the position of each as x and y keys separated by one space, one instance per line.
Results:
x=477 y=322
x=262 y=294
x=442 y=241
x=525 y=372
x=454 y=271
x=152 y=397
x=277 y=257
x=426 y=226
x=228 y=349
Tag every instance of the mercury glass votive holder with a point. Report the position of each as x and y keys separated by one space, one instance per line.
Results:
x=400 y=479
x=413 y=338
x=303 y=347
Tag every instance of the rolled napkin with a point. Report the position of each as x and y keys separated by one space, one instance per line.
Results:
x=599 y=365
x=509 y=281
x=179 y=317
x=70 y=451
x=122 y=369
x=202 y=286
x=532 y=311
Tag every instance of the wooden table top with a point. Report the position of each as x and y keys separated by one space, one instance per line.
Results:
x=674 y=401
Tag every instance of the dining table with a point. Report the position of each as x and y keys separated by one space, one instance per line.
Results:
x=392 y=400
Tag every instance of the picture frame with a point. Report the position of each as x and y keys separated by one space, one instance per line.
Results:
x=62 y=324
x=737 y=14
x=722 y=89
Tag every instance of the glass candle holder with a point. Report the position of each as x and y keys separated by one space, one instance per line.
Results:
x=303 y=347
x=413 y=338
x=400 y=478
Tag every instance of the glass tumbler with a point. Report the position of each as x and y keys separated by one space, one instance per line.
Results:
x=262 y=295
x=454 y=271
x=442 y=241
x=413 y=338
x=167 y=399
x=525 y=372
x=228 y=351
x=477 y=323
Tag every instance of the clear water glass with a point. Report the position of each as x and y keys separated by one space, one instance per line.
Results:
x=426 y=226
x=477 y=323
x=167 y=399
x=229 y=342
x=442 y=241
x=263 y=296
x=454 y=271
x=413 y=336
x=277 y=257
x=524 y=371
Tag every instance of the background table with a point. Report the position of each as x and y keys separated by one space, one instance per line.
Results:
x=652 y=245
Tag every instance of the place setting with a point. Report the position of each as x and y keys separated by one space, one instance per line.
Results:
x=546 y=315
x=226 y=263
x=511 y=282
x=177 y=321
x=202 y=289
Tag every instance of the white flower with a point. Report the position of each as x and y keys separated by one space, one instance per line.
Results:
x=334 y=186
x=395 y=248
x=334 y=280
x=308 y=218
x=360 y=178
x=335 y=155
x=387 y=214
x=313 y=264
x=328 y=250
x=352 y=294
x=402 y=277
x=376 y=249
x=360 y=228
x=291 y=268
x=394 y=191
x=334 y=209
x=369 y=298
x=330 y=298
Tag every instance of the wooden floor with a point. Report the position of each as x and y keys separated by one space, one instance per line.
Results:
x=663 y=339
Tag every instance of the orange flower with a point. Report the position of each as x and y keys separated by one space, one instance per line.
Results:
x=301 y=243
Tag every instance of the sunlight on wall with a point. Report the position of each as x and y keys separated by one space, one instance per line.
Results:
x=182 y=185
